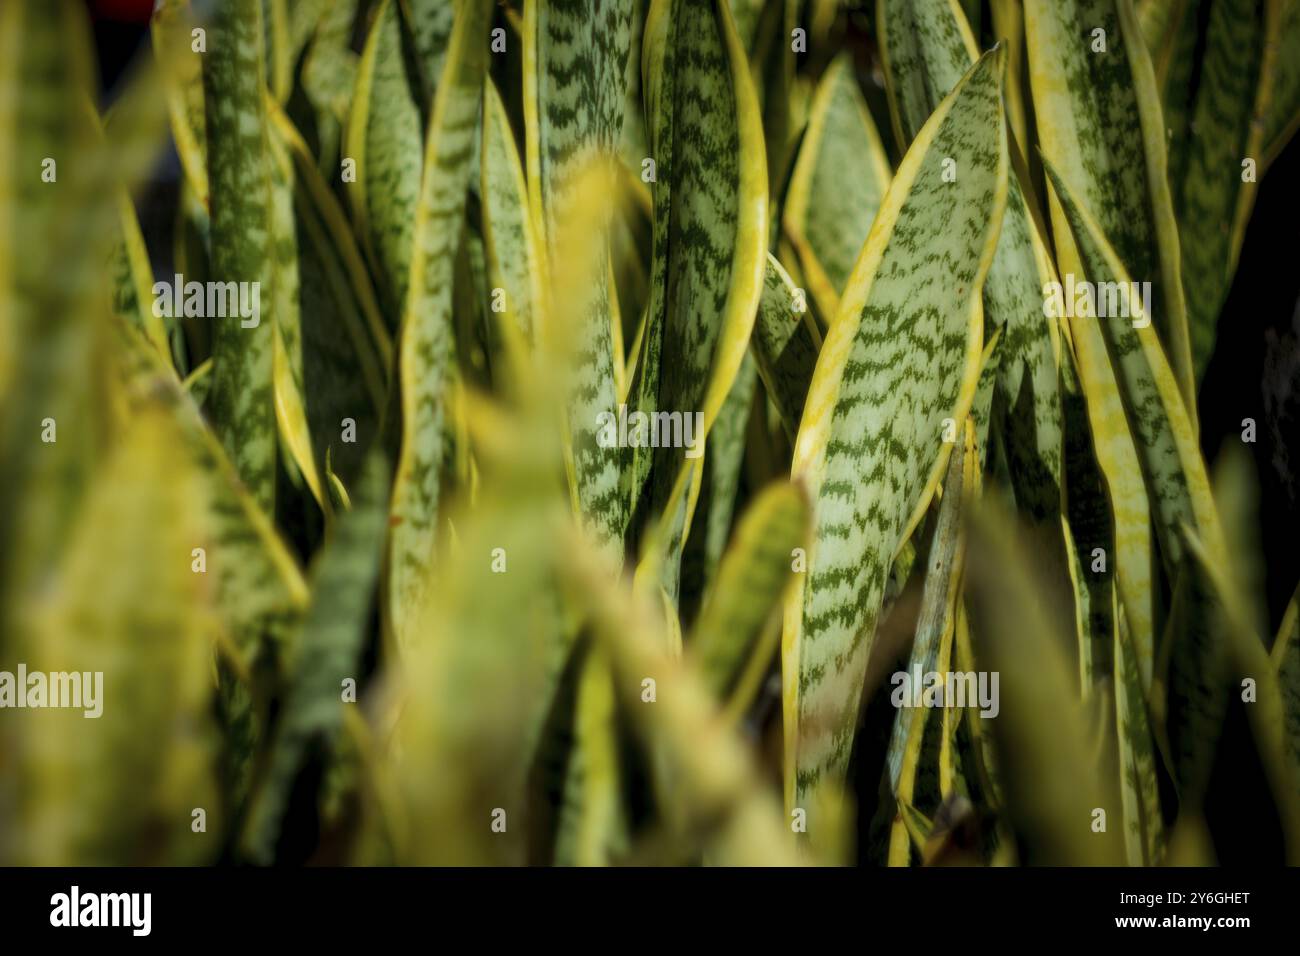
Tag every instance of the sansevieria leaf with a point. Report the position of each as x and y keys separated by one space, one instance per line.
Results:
x=326 y=652
x=740 y=612
x=710 y=223
x=1177 y=487
x=426 y=319
x=839 y=177
x=897 y=363
x=1283 y=117
x=511 y=244
x=129 y=615
x=240 y=399
x=575 y=58
x=1286 y=661
x=384 y=139
x=1100 y=123
x=1223 y=151
x=927 y=46
x=785 y=344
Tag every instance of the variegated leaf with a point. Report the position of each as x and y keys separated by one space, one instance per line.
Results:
x=325 y=653
x=1216 y=193
x=839 y=178
x=710 y=225
x=730 y=639
x=926 y=46
x=240 y=397
x=426 y=319
x=575 y=58
x=785 y=345
x=1100 y=123
x=384 y=140
x=896 y=363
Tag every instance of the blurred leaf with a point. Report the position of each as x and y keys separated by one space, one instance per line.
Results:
x=1286 y=660
x=325 y=653
x=1282 y=35
x=58 y=219
x=717 y=802
x=182 y=69
x=240 y=397
x=1053 y=786
x=575 y=58
x=731 y=637
x=126 y=607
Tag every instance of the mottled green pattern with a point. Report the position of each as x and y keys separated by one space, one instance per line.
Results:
x=426 y=319
x=509 y=237
x=329 y=68
x=1283 y=117
x=240 y=399
x=1177 y=485
x=325 y=653
x=698 y=225
x=839 y=178
x=935 y=620
x=431 y=22
x=1100 y=124
x=1139 y=791
x=901 y=360
x=785 y=346
x=1225 y=130
x=385 y=139
x=927 y=48
x=580 y=55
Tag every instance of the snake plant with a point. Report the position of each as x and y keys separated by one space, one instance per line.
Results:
x=637 y=431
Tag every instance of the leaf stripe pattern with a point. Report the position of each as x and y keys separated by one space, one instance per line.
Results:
x=426 y=321
x=931 y=38
x=1227 y=126
x=575 y=58
x=384 y=139
x=510 y=239
x=1100 y=123
x=710 y=220
x=902 y=356
x=1283 y=118
x=240 y=399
